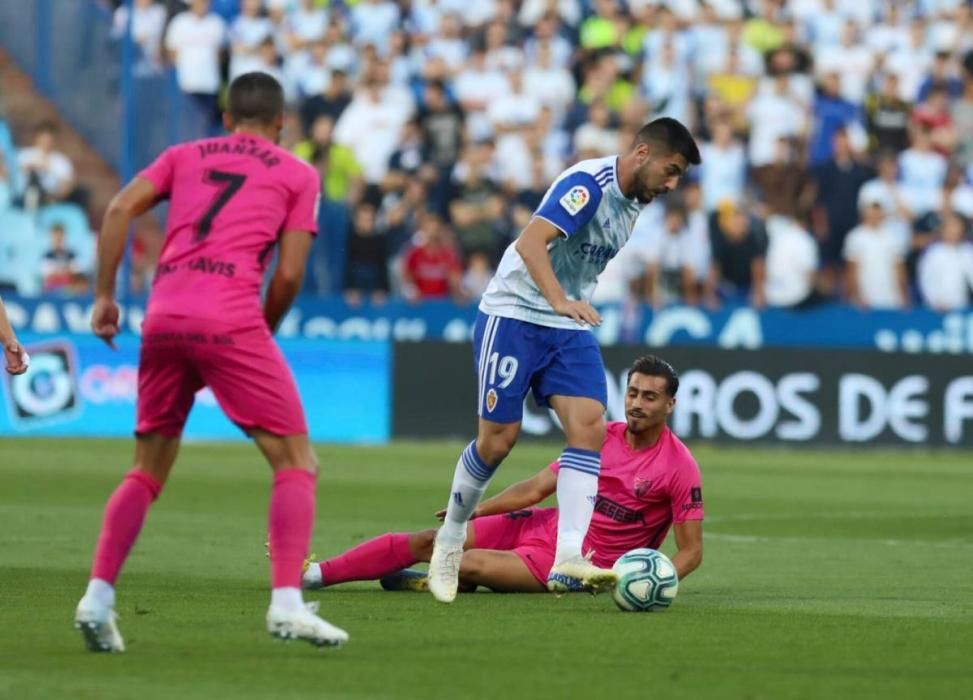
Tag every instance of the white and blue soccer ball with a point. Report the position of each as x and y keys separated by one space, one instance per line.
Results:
x=647 y=581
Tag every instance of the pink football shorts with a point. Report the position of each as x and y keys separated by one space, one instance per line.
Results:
x=530 y=534
x=243 y=367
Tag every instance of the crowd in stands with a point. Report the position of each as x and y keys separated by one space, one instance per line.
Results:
x=836 y=136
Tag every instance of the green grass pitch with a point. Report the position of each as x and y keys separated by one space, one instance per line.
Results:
x=826 y=575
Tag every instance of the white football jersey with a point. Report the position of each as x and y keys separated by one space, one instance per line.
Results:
x=596 y=220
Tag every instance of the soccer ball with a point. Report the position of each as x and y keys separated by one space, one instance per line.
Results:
x=647 y=581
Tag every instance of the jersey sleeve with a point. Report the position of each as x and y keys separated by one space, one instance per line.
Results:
x=571 y=202
x=161 y=172
x=305 y=203
x=686 y=494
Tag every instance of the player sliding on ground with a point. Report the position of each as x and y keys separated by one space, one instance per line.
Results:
x=533 y=333
x=232 y=199
x=15 y=358
x=648 y=481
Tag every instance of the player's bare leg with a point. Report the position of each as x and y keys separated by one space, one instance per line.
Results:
x=124 y=515
x=577 y=487
x=470 y=480
x=500 y=571
x=290 y=525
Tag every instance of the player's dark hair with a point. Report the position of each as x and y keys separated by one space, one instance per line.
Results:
x=653 y=366
x=255 y=97
x=667 y=135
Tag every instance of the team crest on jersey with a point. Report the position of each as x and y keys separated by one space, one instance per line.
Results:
x=491 y=400
x=642 y=486
x=575 y=199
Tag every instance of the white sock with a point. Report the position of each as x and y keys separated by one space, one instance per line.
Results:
x=101 y=592
x=470 y=481
x=288 y=598
x=577 y=488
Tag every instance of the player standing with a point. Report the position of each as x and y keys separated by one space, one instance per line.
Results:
x=15 y=357
x=232 y=200
x=533 y=333
x=648 y=483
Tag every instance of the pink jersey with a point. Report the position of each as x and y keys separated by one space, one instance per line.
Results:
x=230 y=199
x=641 y=494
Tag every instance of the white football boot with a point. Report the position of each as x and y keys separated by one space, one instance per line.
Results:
x=579 y=574
x=98 y=628
x=444 y=570
x=304 y=624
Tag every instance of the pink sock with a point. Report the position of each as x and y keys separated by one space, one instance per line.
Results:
x=122 y=522
x=370 y=560
x=290 y=526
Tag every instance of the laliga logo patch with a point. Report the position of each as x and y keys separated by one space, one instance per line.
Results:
x=575 y=199
x=491 y=400
x=642 y=486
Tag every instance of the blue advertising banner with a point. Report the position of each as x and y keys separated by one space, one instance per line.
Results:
x=836 y=326
x=78 y=386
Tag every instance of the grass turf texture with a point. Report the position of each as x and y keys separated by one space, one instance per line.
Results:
x=826 y=574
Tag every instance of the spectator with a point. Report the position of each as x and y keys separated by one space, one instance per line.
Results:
x=366 y=273
x=836 y=211
x=441 y=123
x=341 y=175
x=786 y=185
x=773 y=115
x=432 y=268
x=47 y=174
x=739 y=249
x=922 y=171
x=331 y=102
x=724 y=168
x=148 y=26
x=962 y=114
x=792 y=263
x=372 y=21
x=875 y=275
x=306 y=25
x=59 y=266
x=370 y=126
x=476 y=207
x=886 y=188
x=946 y=268
x=887 y=116
x=832 y=113
x=934 y=117
x=670 y=277
x=247 y=33
x=194 y=41
x=477 y=276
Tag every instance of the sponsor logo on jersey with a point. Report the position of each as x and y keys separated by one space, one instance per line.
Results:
x=594 y=253
x=616 y=511
x=491 y=400
x=575 y=199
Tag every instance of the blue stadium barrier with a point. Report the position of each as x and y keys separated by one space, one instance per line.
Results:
x=78 y=387
x=734 y=327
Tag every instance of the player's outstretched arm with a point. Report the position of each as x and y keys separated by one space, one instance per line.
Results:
x=532 y=245
x=15 y=358
x=523 y=494
x=295 y=246
x=136 y=198
x=689 y=543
